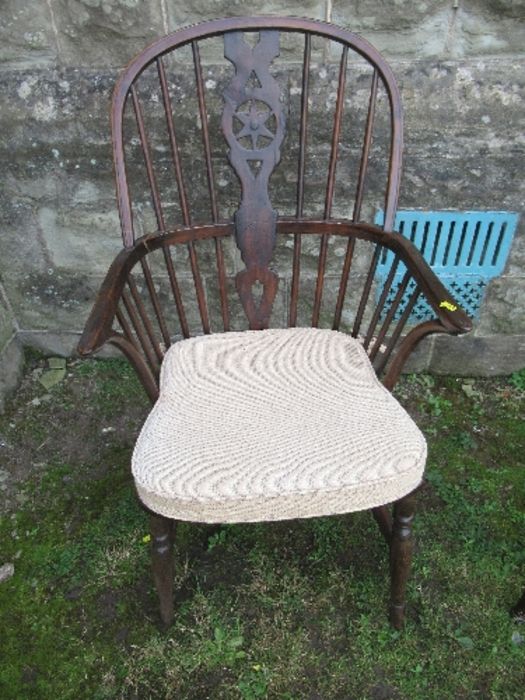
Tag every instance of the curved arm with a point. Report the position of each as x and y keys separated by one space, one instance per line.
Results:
x=146 y=377
x=451 y=315
x=407 y=345
x=99 y=326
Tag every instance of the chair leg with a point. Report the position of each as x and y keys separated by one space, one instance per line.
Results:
x=401 y=546
x=162 y=535
x=384 y=522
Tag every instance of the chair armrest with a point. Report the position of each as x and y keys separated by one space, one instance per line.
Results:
x=99 y=326
x=451 y=315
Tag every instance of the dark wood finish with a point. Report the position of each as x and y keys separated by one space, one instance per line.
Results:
x=296 y=268
x=401 y=546
x=255 y=220
x=223 y=289
x=304 y=124
x=143 y=314
x=366 y=292
x=363 y=166
x=205 y=132
x=174 y=146
x=177 y=296
x=381 y=303
x=155 y=195
x=383 y=519
x=130 y=312
x=201 y=299
x=162 y=535
x=98 y=327
x=148 y=378
x=336 y=133
x=344 y=283
x=190 y=35
x=161 y=320
x=138 y=329
x=330 y=185
x=321 y=267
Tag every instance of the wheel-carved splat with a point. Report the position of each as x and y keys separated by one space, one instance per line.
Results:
x=253 y=125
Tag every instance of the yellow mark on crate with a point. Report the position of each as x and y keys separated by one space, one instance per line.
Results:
x=448 y=305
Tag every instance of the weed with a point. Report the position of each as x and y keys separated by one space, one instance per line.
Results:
x=254 y=684
x=438 y=405
x=217 y=538
x=225 y=649
x=517 y=379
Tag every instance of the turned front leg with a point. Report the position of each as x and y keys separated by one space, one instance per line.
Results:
x=401 y=547
x=162 y=534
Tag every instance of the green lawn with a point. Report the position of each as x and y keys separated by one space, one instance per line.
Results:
x=293 y=610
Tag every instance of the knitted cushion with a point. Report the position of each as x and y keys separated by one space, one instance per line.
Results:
x=270 y=425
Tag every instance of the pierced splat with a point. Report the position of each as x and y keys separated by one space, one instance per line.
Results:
x=253 y=81
x=255 y=166
x=253 y=125
x=257 y=292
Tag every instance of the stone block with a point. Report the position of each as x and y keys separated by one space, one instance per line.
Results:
x=463 y=136
x=503 y=309
x=27 y=37
x=7 y=326
x=385 y=15
x=485 y=28
x=460 y=183
x=393 y=29
x=80 y=239
x=420 y=358
x=471 y=355
x=11 y=363
x=41 y=244
x=65 y=111
x=166 y=298
x=62 y=300
x=436 y=28
x=60 y=343
x=516 y=261
x=180 y=14
x=105 y=32
x=459 y=107
x=52 y=300
x=22 y=250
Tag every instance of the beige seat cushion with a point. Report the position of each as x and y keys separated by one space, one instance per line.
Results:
x=270 y=425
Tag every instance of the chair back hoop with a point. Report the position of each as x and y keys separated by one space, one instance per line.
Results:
x=253 y=125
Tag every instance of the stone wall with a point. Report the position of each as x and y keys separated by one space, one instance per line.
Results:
x=459 y=64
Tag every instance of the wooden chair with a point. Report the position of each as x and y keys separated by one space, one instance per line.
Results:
x=270 y=408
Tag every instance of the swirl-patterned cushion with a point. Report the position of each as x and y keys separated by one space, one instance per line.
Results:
x=271 y=425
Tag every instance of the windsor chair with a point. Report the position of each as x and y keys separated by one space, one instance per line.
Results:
x=259 y=330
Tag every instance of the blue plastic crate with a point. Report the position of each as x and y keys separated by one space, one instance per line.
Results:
x=465 y=249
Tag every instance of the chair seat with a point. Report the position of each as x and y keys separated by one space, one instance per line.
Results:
x=270 y=425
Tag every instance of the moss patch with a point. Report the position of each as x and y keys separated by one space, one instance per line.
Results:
x=283 y=610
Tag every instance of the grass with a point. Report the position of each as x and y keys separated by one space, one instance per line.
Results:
x=291 y=611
